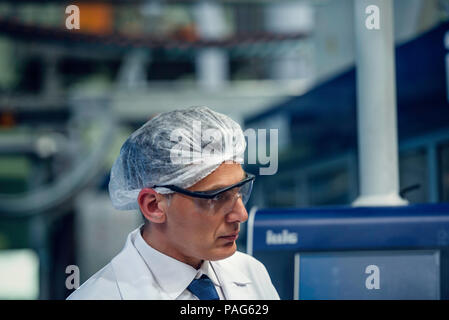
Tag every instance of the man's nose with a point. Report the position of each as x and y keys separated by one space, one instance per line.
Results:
x=238 y=212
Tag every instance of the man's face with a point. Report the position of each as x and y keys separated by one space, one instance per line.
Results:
x=192 y=233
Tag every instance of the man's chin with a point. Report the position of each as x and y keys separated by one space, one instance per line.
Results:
x=224 y=252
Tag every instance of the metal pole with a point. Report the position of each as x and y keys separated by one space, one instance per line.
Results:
x=376 y=100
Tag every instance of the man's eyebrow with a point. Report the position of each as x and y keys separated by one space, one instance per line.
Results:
x=219 y=186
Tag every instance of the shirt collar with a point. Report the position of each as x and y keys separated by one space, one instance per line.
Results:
x=207 y=269
x=172 y=275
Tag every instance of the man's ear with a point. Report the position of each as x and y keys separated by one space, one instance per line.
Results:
x=151 y=206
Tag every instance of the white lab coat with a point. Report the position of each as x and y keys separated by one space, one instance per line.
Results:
x=128 y=277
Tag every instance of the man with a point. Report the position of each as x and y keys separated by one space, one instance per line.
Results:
x=182 y=171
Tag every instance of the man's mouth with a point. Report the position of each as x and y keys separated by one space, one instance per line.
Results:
x=231 y=237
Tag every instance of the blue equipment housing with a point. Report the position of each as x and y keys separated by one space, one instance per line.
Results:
x=354 y=252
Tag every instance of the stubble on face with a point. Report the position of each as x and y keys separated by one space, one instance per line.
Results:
x=191 y=235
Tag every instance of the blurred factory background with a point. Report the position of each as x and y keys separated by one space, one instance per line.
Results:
x=69 y=99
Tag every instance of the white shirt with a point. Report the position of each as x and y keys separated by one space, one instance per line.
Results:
x=172 y=275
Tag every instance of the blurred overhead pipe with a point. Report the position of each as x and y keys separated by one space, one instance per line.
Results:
x=49 y=197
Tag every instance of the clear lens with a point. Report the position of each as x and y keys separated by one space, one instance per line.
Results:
x=246 y=191
x=225 y=201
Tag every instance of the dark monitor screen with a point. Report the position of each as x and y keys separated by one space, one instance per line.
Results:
x=392 y=274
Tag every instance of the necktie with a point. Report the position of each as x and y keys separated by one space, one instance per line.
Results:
x=203 y=288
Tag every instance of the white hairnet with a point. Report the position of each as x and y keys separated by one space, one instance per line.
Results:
x=179 y=148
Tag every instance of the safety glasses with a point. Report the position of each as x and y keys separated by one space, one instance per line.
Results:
x=219 y=199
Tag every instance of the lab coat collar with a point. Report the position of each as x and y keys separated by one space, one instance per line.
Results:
x=134 y=280
x=235 y=284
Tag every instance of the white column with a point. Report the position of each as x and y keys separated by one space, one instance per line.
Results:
x=376 y=111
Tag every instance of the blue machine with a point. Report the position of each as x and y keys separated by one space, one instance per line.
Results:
x=354 y=252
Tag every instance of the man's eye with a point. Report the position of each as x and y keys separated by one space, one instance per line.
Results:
x=225 y=196
x=203 y=203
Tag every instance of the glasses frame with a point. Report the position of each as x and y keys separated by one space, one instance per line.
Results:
x=208 y=194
